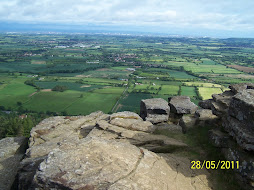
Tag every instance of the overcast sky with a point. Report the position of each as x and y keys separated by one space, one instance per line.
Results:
x=222 y=15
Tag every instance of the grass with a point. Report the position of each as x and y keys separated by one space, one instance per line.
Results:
x=169 y=89
x=14 y=91
x=69 y=85
x=110 y=90
x=52 y=101
x=206 y=93
x=188 y=91
x=93 y=102
x=201 y=84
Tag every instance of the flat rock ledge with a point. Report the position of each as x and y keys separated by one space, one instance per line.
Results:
x=96 y=152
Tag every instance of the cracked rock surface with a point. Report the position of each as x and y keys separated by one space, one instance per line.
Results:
x=95 y=152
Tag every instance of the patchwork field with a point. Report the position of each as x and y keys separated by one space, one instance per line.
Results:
x=105 y=72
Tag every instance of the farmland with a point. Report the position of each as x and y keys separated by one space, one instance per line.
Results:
x=114 y=72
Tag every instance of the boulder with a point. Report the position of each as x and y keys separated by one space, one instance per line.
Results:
x=205 y=117
x=182 y=105
x=187 y=122
x=134 y=124
x=205 y=114
x=155 y=110
x=96 y=163
x=205 y=104
x=12 y=150
x=125 y=115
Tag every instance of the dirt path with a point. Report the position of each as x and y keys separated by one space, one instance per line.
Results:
x=32 y=94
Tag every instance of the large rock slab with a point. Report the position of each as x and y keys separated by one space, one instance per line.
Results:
x=125 y=115
x=12 y=150
x=155 y=110
x=182 y=105
x=97 y=163
x=155 y=143
x=134 y=124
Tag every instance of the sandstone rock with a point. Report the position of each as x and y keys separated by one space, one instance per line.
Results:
x=155 y=110
x=197 y=178
x=205 y=117
x=187 y=122
x=97 y=163
x=125 y=115
x=133 y=124
x=223 y=98
x=242 y=107
x=156 y=143
x=205 y=114
x=236 y=88
x=218 y=138
x=219 y=109
x=205 y=104
x=239 y=132
x=12 y=150
x=156 y=118
x=182 y=105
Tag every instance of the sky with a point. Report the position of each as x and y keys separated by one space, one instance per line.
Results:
x=211 y=17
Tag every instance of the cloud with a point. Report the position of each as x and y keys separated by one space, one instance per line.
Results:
x=224 y=15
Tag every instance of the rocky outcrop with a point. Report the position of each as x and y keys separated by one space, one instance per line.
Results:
x=182 y=105
x=96 y=152
x=12 y=150
x=187 y=122
x=155 y=110
x=235 y=111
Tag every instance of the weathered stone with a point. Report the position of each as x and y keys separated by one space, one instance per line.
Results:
x=197 y=178
x=12 y=150
x=242 y=107
x=156 y=118
x=125 y=115
x=223 y=98
x=187 y=122
x=106 y=164
x=205 y=117
x=155 y=110
x=236 y=88
x=156 y=143
x=134 y=124
x=218 y=138
x=219 y=109
x=239 y=131
x=182 y=105
x=205 y=104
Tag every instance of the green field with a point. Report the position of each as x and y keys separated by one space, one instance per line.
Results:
x=188 y=91
x=94 y=68
x=169 y=90
x=206 y=93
